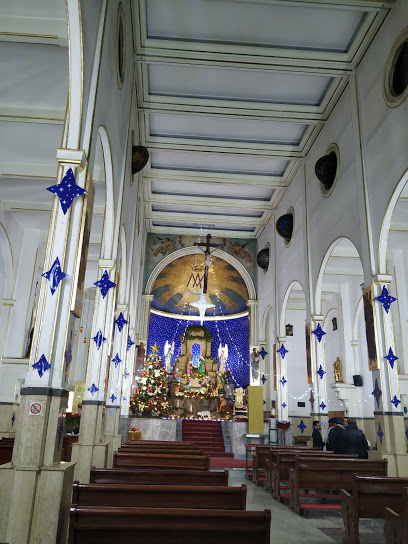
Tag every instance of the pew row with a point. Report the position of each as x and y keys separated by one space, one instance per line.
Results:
x=260 y=459
x=396 y=524
x=153 y=449
x=316 y=473
x=160 y=496
x=367 y=498
x=159 y=477
x=6 y=452
x=161 y=461
x=127 y=525
x=159 y=443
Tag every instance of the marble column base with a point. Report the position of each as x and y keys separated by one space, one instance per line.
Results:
x=111 y=432
x=397 y=463
x=7 y=425
x=36 y=507
x=86 y=456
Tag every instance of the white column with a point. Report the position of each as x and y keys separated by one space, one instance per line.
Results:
x=318 y=370
x=144 y=316
x=283 y=390
x=127 y=382
x=253 y=322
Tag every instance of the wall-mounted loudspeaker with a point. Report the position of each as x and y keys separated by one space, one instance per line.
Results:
x=358 y=380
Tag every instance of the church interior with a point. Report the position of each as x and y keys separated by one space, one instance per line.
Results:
x=203 y=271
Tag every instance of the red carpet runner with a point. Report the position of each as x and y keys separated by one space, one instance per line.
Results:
x=207 y=435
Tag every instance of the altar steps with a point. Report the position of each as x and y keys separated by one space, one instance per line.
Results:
x=207 y=435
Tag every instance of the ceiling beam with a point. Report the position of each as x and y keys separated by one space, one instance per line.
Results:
x=28 y=170
x=35 y=30
x=205 y=202
x=198 y=231
x=32 y=115
x=190 y=218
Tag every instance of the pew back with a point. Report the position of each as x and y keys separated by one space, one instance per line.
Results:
x=158 y=477
x=396 y=524
x=160 y=461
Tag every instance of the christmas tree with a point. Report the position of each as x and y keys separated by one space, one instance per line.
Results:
x=151 y=392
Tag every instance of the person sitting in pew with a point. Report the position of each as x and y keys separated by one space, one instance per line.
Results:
x=355 y=440
x=317 y=435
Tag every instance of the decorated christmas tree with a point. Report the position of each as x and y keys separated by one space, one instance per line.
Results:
x=151 y=393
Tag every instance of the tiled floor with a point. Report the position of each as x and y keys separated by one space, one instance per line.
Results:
x=289 y=528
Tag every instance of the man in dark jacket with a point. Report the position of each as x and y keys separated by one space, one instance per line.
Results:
x=332 y=424
x=317 y=435
x=337 y=436
x=355 y=440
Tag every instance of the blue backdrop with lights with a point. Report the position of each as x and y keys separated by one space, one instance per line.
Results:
x=234 y=332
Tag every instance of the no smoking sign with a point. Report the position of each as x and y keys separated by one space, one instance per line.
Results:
x=36 y=408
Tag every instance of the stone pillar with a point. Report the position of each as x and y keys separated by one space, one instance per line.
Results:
x=318 y=373
x=388 y=412
x=283 y=391
x=127 y=382
x=113 y=397
x=253 y=322
x=266 y=371
x=144 y=316
x=7 y=401
x=39 y=485
x=92 y=448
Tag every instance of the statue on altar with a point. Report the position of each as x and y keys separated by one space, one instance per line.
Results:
x=338 y=377
x=168 y=355
x=201 y=366
x=222 y=357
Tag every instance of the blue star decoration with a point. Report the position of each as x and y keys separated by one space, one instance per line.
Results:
x=42 y=365
x=264 y=402
x=123 y=398
x=302 y=426
x=126 y=374
x=67 y=190
x=111 y=411
x=324 y=424
x=406 y=432
x=282 y=350
x=391 y=358
x=395 y=401
x=311 y=398
x=121 y=322
x=130 y=343
x=380 y=433
x=319 y=332
x=263 y=353
x=99 y=339
x=93 y=389
x=112 y=398
x=60 y=430
x=322 y=405
x=377 y=393
x=54 y=275
x=321 y=372
x=405 y=410
x=283 y=381
x=104 y=284
x=13 y=418
x=116 y=360
x=386 y=299
x=263 y=379
x=284 y=405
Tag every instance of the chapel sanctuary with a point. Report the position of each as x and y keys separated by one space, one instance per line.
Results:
x=203 y=271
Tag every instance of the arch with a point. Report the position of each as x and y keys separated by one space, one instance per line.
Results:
x=8 y=288
x=109 y=219
x=282 y=320
x=191 y=251
x=386 y=224
x=123 y=266
x=265 y=321
x=357 y=313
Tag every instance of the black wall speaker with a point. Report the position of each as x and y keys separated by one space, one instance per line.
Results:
x=358 y=380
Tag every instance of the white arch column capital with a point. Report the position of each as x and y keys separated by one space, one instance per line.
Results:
x=72 y=157
x=107 y=264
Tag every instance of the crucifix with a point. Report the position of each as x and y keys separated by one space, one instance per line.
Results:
x=207 y=260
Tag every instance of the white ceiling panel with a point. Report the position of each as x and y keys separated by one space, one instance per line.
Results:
x=253 y=23
x=225 y=129
x=29 y=142
x=24 y=190
x=212 y=190
x=204 y=82
x=43 y=9
x=199 y=225
x=209 y=211
x=35 y=220
x=213 y=162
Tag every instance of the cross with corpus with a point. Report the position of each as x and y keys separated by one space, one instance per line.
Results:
x=207 y=252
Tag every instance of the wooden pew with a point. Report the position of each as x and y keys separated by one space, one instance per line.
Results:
x=261 y=458
x=160 y=496
x=367 y=499
x=6 y=452
x=67 y=442
x=147 y=450
x=396 y=524
x=329 y=473
x=161 y=461
x=159 y=443
x=158 y=477
x=127 y=525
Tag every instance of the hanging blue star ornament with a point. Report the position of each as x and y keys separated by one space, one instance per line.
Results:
x=54 y=275
x=380 y=433
x=319 y=332
x=282 y=350
x=391 y=358
x=284 y=405
x=121 y=322
x=67 y=190
x=116 y=360
x=130 y=343
x=377 y=393
x=322 y=405
x=112 y=398
x=386 y=299
x=263 y=353
x=395 y=401
x=263 y=379
x=99 y=339
x=302 y=426
x=283 y=381
x=42 y=365
x=104 y=284
x=13 y=418
x=321 y=372
x=93 y=389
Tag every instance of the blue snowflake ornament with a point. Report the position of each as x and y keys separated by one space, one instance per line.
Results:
x=322 y=405
x=282 y=350
x=391 y=358
x=112 y=398
x=116 y=360
x=93 y=389
x=99 y=339
x=321 y=372
x=380 y=433
x=386 y=299
x=67 y=190
x=263 y=379
x=121 y=322
x=42 y=365
x=395 y=401
x=263 y=353
x=377 y=393
x=319 y=332
x=283 y=381
x=302 y=426
x=104 y=284
x=130 y=343
x=406 y=432
x=284 y=405
x=54 y=275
